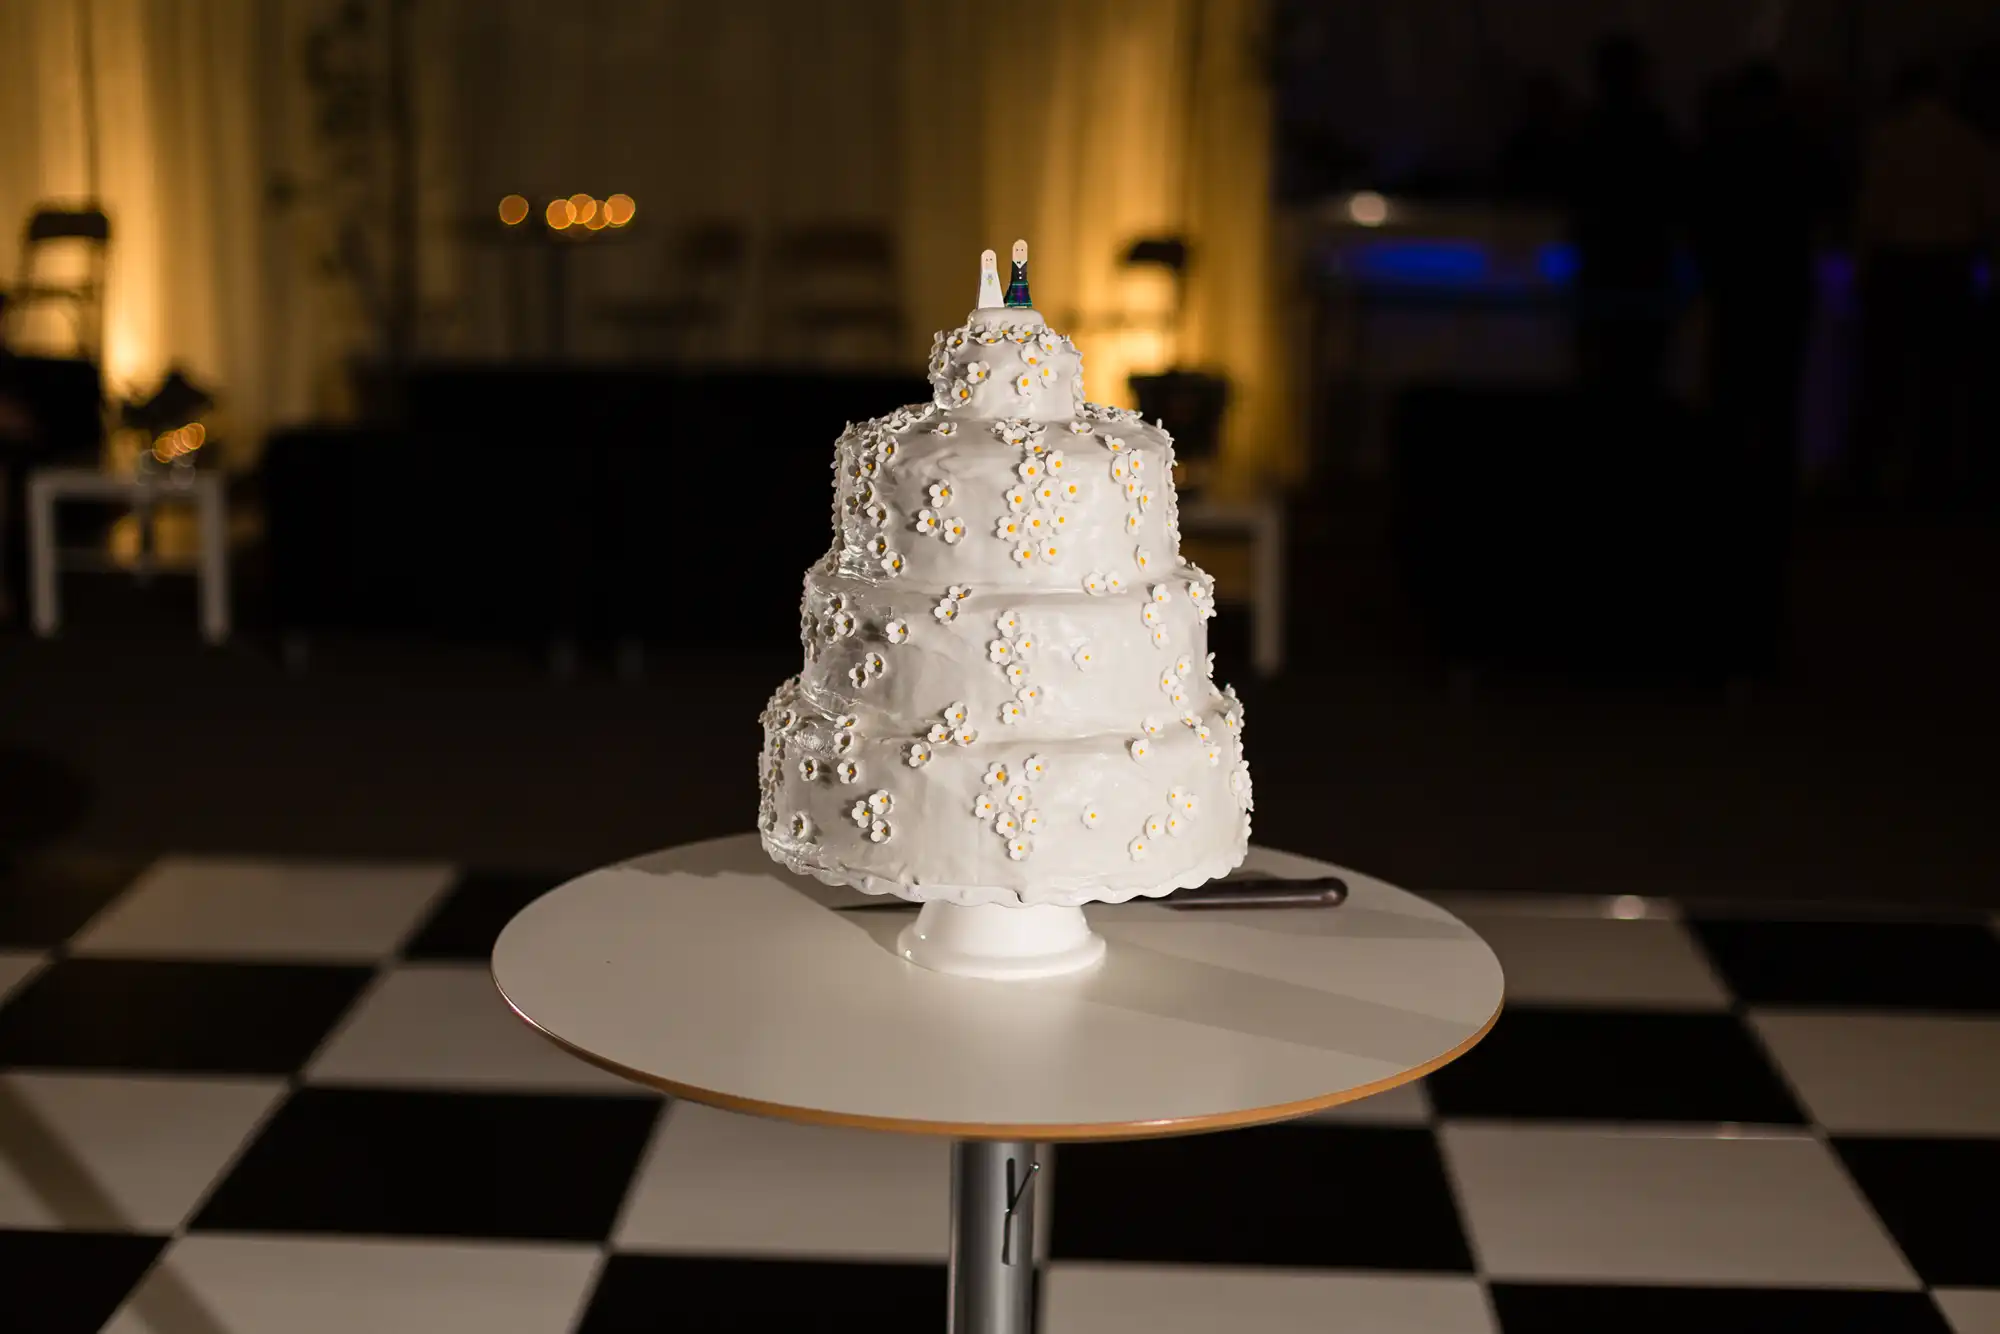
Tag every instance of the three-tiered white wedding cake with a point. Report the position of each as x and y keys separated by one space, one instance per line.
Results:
x=1007 y=696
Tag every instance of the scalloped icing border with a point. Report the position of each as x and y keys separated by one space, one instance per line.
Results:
x=972 y=896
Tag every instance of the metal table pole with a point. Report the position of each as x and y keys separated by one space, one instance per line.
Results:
x=992 y=1269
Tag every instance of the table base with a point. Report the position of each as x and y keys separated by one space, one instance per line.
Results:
x=992 y=1274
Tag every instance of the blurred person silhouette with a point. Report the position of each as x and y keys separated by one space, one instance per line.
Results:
x=1624 y=198
x=1752 y=193
x=1930 y=197
x=1535 y=161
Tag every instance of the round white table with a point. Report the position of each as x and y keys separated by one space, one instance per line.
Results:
x=711 y=973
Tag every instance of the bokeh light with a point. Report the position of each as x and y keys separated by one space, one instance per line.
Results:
x=1368 y=208
x=583 y=208
x=513 y=209
x=559 y=214
x=619 y=209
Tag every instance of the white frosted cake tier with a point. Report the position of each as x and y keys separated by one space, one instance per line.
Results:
x=1007 y=695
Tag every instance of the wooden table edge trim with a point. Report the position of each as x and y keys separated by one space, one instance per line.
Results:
x=1052 y=1133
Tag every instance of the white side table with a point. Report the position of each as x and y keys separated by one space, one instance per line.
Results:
x=206 y=490
x=1262 y=521
x=709 y=973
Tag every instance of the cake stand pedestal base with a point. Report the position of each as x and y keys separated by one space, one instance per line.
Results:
x=1000 y=943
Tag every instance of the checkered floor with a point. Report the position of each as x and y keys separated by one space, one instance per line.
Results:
x=246 y=1095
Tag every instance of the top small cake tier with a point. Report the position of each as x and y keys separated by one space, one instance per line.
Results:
x=1006 y=362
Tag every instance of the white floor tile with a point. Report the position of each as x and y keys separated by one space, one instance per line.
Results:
x=445 y=1025
x=212 y=1284
x=1620 y=1206
x=717 y=1183
x=228 y=907
x=1580 y=960
x=1150 y=1299
x=117 y=1153
x=1404 y=1105
x=16 y=967
x=1970 y=1310
x=1894 y=1074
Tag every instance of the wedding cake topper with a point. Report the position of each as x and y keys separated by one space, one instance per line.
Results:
x=989 y=280
x=1017 y=286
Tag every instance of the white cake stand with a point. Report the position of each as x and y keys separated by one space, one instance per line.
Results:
x=710 y=973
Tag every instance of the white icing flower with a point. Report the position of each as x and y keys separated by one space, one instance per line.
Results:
x=977 y=371
x=1116 y=444
x=880 y=832
x=1138 y=847
x=1031 y=822
x=953 y=530
x=957 y=340
x=1121 y=469
x=879 y=545
x=1006 y=824
x=1152 y=614
x=1010 y=527
x=945 y=429
x=1021 y=333
x=955 y=713
x=1037 y=524
x=1007 y=622
x=892 y=562
x=1019 y=848
x=946 y=610
x=810 y=769
x=1184 y=801
x=845 y=740
x=1049 y=551
x=1239 y=783
x=1133 y=489
x=860 y=814
x=1113 y=583
x=1080 y=428
x=1069 y=491
x=1024 y=552
x=1092 y=818
x=1000 y=651
x=1230 y=721
x=965 y=736
x=1018 y=797
x=939 y=734
x=984 y=807
x=1140 y=748
x=1084 y=658
x=1034 y=768
x=918 y=754
x=1138 y=464
x=841 y=625
x=1152 y=726
x=858 y=675
x=1145 y=501
x=875 y=664
x=1030 y=695
x=1025 y=382
x=881 y=801
x=1010 y=712
x=1132 y=521
x=1214 y=755
x=1162 y=594
x=1048 y=340
x=1093 y=583
x=999 y=775
x=1155 y=826
x=1030 y=471
x=1047 y=493
x=1017 y=430
x=1177 y=824
x=1031 y=355
x=961 y=391
x=848 y=771
x=1170 y=681
x=1179 y=698
x=877 y=514
x=896 y=631
x=1200 y=728
x=940 y=492
x=1024 y=643
x=988 y=334
x=958 y=592
x=1184 y=666
x=1161 y=639
x=786 y=719
x=926 y=522
x=1047 y=372
x=1016 y=673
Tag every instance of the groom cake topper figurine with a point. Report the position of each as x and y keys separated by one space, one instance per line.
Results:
x=1017 y=284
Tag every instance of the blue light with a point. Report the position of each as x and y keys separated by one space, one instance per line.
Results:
x=1557 y=262
x=1431 y=263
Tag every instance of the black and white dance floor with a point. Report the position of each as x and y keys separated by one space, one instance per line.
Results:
x=240 y=1096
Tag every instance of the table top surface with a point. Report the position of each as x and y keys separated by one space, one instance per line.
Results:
x=712 y=974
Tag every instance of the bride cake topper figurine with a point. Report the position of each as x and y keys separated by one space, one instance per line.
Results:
x=989 y=280
x=1017 y=285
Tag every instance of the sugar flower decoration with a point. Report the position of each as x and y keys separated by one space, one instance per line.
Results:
x=1018 y=797
x=1037 y=523
x=957 y=340
x=875 y=664
x=880 y=832
x=848 y=771
x=940 y=492
x=1007 y=622
x=860 y=814
x=1121 y=469
x=1049 y=551
x=952 y=530
x=1030 y=470
x=1092 y=818
x=1084 y=658
x=1132 y=521
x=984 y=807
x=1024 y=643
x=1047 y=492
x=1184 y=801
x=1049 y=340
x=1030 y=695
x=843 y=624
x=879 y=545
x=926 y=522
x=1214 y=755
x=965 y=736
x=1017 y=672
x=1184 y=666
x=961 y=391
x=858 y=675
x=802 y=827
x=1031 y=822
x=1140 y=748
x=988 y=335
x=1239 y=783
x=877 y=514
x=1024 y=552
x=939 y=734
x=1093 y=583
x=946 y=610
x=1069 y=491
x=1162 y=594
x=1031 y=355
x=1113 y=583
x=1034 y=768
x=1170 y=681
x=1152 y=726
x=1081 y=428
x=1145 y=501
x=1010 y=527
x=896 y=631
x=918 y=754
x=977 y=371
x=1161 y=639
x=1047 y=372
x=1000 y=651
x=1155 y=826
x=1152 y=613
x=892 y=562
x=1139 y=847
x=810 y=768
x=1025 y=382
x=1006 y=824
x=1177 y=824
x=946 y=428
x=1019 y=848
x=999 y=775
x=1010 y=712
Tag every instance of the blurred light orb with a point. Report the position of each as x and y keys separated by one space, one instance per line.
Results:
x=559 y=214
x=1628 y=907
x=582 y=208
x=1367 y=208
x=599 y=219
x=513 y=209
x=619 y=209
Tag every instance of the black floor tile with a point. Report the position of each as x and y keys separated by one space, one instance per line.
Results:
x=642 y=1294
x=1874 y=965
x=1307 y=1195
x=469 y=918
x=68 y=1282
x=1547 y=1308
x=1940 y=1199
x=1610 y=1065
x=412 y=1163
x=214 y=1018
x=43 y=903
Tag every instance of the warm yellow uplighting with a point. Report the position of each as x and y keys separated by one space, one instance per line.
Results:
x=1367 y=208
x=513 y=209
x=560 y=214
x=619 y=209
x=583 y=208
